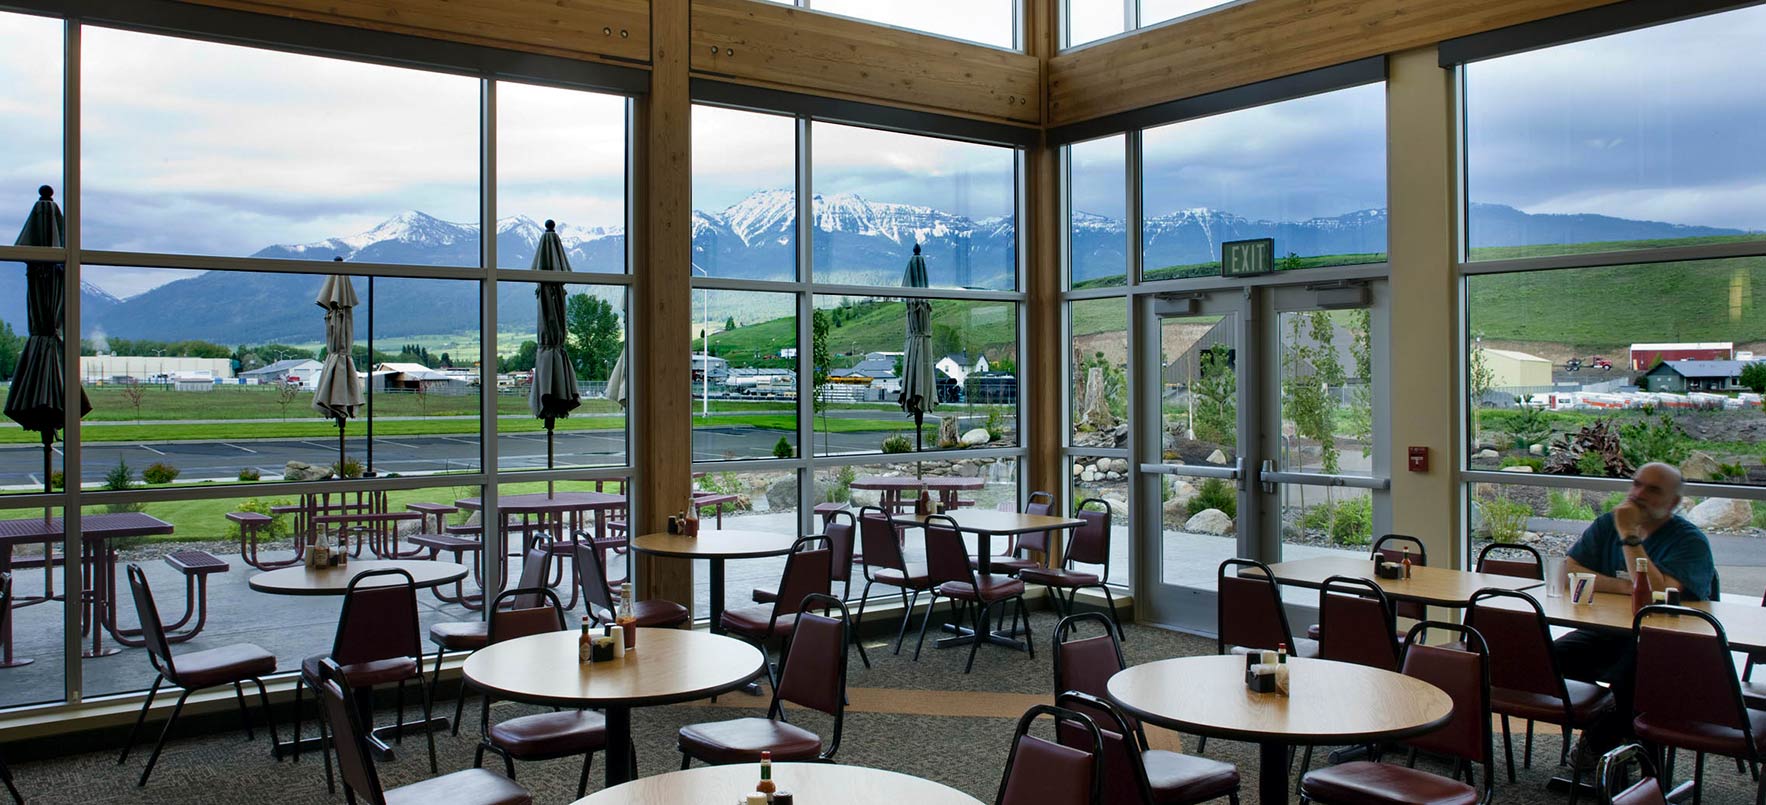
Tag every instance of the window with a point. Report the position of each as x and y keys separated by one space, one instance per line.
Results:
x=561 y=156
x=744 y=375
x=744 y=194
x=1097 y=216
x=593 y=435
x=989 y=22
x=1309 y=173
x=30 y=131
x=1091 y=20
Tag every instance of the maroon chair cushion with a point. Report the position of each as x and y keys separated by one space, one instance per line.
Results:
x=1647 y=791
x=1121 y=779
x=460 y=635
x=219 y=666
x=751 y=622
x=1045 y=773
x=741 y=740
x=1178 y=778
x=367 y=674
x=1000 y=564
x=660 y=613
x=992 y=588
x=1669 y=729
x=913 y=578
x=1586 y=701
x=1367 y=783
x=469 y=787
x=1058 y=577
x=550 y=735
x=1359 y=631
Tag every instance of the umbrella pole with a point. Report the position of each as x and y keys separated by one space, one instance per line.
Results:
x=549 y=482
x=340 y=456
x=919 y=436
x=48 y=472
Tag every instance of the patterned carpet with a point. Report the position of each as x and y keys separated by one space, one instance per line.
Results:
x=925 y=718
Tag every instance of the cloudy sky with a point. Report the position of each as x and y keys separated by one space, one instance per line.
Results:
x=200 y=148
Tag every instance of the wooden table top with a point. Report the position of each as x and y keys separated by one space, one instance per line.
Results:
x=1743 y=623
x=1331 y=703
x=910 y=482
x=715 y=543
x=988 y=521
x=540 y=502
x=807 y=782
x=668 y=666
x=298 y=580
x=92 y=527
x=1430 y=585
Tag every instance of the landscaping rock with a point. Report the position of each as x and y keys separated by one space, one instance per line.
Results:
x=967 y=469
x=1176 y=512
x=1488 y=454
x=781 y=495
x=1089 y=475
x=1699 y=467
x=1518 y=468
x=1181 y=492
x=1722 y=514
x=1216 y=457
x=1210 y=521
x=302 y=471
x=975 y=437
x=1119 y=465
x=1536 y=449
x=1078 y=468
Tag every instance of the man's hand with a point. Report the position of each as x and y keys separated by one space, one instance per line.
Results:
x=1627 y=519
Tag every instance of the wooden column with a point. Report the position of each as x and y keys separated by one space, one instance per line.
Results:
x=1041 y=371
x=661 y=413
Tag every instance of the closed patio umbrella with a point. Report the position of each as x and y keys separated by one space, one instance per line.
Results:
x=37 y=398
x=616 y=380
x=919 y=388
x=554 y=393
x=338 y=394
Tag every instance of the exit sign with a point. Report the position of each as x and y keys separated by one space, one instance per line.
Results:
x=1247 y=258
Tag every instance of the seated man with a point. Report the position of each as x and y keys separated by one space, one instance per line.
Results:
x=1644 y=526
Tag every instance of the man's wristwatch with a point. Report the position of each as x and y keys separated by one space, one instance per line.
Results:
x=1631 y=541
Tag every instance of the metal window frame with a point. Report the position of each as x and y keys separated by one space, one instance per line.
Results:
x=1578 y=26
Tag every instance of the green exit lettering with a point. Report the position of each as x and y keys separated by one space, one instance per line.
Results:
x=1246 y=258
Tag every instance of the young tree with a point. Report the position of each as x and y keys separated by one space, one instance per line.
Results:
x=594 y=332
x=729 y=324
x=10 y=347
x=286 y=393
x=134 y=393
x=1217 y=397
x=1480 y=377
x=1361 y=395
x=821 y=360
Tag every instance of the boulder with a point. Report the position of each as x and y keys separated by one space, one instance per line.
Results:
x=1536 y=450
x=967 y=470
x=1119 y=465
x=781 y=495
x=1699 y=466
x=1181 y=492
x=1089 y=475
x=975 y=437
x=302 y=471
x=1722 y=514
x=1210 y=521
x=1078 y=468
x=1217 y=457
x=1176 y=512
x=1518 y=468
x=1488 y=454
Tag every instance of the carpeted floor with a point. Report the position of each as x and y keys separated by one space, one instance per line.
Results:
x=924 y=718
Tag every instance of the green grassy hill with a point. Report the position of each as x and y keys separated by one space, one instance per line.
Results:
x=990 y=328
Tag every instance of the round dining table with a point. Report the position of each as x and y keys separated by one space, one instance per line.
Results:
x=806 y=782
x=335 y=580
x=1329 y=704
x=716 y=545
x=667 y=667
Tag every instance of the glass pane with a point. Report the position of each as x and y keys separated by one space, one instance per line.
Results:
x=1199 y=417
x=1327 y=427
x=744 y=375
x=561 y=155
x=1309 y=173
x=989 y=22
x=878 y=194
x=1612 y=143
x=1099 y=368
x=744 y=194
x=33 y=655
x=30 y=131
x=1089 y=20
x=1571 y=390
x=1106 y=479
x=1195 y=537
x=1098 y=223
x=200 y=148
x=986 y=483
x=974 y=356
x=764 y=501
x=1154 y=12
x=22 y=452
x=593 y=435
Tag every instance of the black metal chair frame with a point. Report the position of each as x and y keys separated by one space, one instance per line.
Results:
x=1059 y=714
x=1611 y=771
x=545 y=596
x=864 y=597
x=1665 y=757
x=1064 y=605
x=1508 y=748
x=981 y=622
x=5 y=624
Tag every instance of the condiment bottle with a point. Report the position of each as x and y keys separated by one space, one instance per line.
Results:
x=585 y=645
x=616 y=633
x=1406 y=563
x=625 y=618
x=692 y=529
x=766 y=785
x=1640 y=589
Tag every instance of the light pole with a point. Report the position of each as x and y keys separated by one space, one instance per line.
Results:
x=704 y=345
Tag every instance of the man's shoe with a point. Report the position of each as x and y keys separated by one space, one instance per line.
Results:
x=1584 y=758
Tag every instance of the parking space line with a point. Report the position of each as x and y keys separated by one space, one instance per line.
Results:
x=150 y=450
x=399 y=444
x=237 y=447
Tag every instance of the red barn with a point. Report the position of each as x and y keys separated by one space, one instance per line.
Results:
x=1644 y=356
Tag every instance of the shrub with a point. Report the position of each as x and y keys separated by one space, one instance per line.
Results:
x=160 y=473
x=841 y=491
x=278 y=525
x=347 y=468
x=1505 y=520
x=249 y=474
x=56 y=479
x=723 y=483
x=898 y=443
x=1759 y=513
x=1730 y=472
x=1568 y=505
x=1350 y=522
x=121 y=478
x=1215 y=493
x=1591 y=464
x=996 y=428
x=782 y=448
x=1529 y=426
x=1663 y=441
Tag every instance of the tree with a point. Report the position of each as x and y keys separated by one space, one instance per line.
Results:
x=10 y=347
x=286 y=393
x=1753 y=376
x=446 y=362
x=134 y=393
x=1480 y=377
x=1361 y=395
x=522 y=360
x=1217 y=397
x=730 y=323
x=820 y=362
x=594 y=333
x=1309 y=370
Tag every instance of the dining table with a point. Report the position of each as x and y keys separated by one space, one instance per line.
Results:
x=1439 y=586
x=986 y=524
x=806 y=782
x=891 y=487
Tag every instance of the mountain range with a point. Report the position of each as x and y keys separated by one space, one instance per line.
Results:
x=856 y=242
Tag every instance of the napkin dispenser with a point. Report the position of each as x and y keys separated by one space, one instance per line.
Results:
x=1389 y=570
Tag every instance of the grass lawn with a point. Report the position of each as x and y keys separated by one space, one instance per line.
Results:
x=876 y=326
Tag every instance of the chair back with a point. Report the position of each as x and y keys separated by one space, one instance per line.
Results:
x=947 y=558
x=534 y=565
x=519 y=621
x=878 y=540
x=1532 y=567
x=378 y=622
x=1519 y=640
x=348 y=738
x=592 y=578
x=153 y=633
x=1040 y=503
x=1611 y=772
x=841 y=529
x=1249 y=612
x=808 y=571
x=1687 y=677
x=1090 y=543
x=1042 y=772
x=1356 y=623
x=1124 y=768
x=1086 y=664
x=1464 y=674
x=1390 y=548
x=813 y=663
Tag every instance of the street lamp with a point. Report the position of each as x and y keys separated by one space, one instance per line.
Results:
x=704 y=345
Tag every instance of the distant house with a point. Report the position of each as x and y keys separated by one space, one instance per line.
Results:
x=869 y=371
x=303 y=371
x=393 y=376
x=1645 y=356
x=1679 y=377
x=762 y=381
x=1515 y=370
x=958 y=365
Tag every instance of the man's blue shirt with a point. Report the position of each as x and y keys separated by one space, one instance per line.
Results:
x=1678 y=548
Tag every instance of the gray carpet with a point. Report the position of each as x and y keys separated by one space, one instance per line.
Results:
x=967 y=752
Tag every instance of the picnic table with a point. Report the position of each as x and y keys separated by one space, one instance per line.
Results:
x=98 y=562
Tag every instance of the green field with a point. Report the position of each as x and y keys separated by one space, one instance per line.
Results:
x=989 y=328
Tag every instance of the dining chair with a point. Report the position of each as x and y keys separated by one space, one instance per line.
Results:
x=1089 y=545
x=542 y=736
x=1531 y=567
x=6 y=630
x=1013 y=561
x=1463 y=672
x=474 y=635
x=656 y=613
x=881 y=562
x=807 y=572
x=361 y=780
x=193 y=671
x=1391 y=548
x=812 y=675
x=1613 y=771
x=1355 y=625
x=1083 y=667
x=1688 y=696
x=376 y=644
x=841 y=530
x=1525 y=681
x=1249 y=615
x=1043 y=772
x=947 y=566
